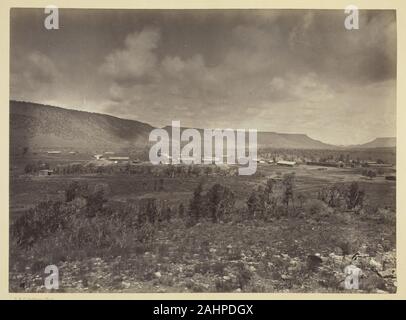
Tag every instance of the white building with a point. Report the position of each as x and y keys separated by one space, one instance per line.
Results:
x=286 y=163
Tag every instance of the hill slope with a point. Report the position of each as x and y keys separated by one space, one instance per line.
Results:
x=385 y=142
x=290 y=140
x=46 y=127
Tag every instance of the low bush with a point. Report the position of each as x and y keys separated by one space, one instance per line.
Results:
x=91 y=227
x=316 y=208
x=34 y=167
x=41 y=221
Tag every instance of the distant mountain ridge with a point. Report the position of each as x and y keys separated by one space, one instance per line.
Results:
x=40 y=126
x=292 y=140
x=383 y=142
x=280 y=140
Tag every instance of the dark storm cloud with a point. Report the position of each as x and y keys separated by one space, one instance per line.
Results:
x=34 y=75
x=219 y=68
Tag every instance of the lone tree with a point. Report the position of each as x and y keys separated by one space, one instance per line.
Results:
x=301 y=198
x=181 y=210
x=355 y=196
x=371 y=174
x=269 y=189
x=270 y=200
x=166 y=213
x=196 y=204
x=255 y=203
x=94 y=203
x=149 y=211
x=220 y=200
x=288 y=182
x=75 y=190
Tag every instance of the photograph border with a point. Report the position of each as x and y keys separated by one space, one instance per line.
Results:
x=398 y=5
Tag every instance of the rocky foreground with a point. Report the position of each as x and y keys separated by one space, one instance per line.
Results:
x=217 y=269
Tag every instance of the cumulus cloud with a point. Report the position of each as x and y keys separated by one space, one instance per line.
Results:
x=137 y=60
x=222 y=68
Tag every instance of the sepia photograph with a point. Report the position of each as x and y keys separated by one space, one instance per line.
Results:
x=202 y=150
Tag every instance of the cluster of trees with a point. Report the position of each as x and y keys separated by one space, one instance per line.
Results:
x=44 y=219
x=372 y=173
x=90 y=168
x=169 y=171
x=34 y=167
x=85 y=220
x=276 y=198
x=347 y=197
x=369 y=173
x=349 y=156
x=173 y=171
x=216 y=204
x=266 y=202
x=93 y=199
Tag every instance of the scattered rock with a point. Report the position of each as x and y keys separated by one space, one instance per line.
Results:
x=157 y=274
x=286 y=277
x=389 y=273
x=389 y=259
x=375 y=265
x=381 y=291
x=117 y=278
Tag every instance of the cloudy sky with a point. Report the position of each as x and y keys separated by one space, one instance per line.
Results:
x=292 y=71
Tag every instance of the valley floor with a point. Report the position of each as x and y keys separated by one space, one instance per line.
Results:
x=302 y=253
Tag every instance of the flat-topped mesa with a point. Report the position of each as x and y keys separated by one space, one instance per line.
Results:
x=197 y=144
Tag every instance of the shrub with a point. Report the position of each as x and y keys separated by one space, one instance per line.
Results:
x=34 y=167
x=75 y=190
x=368 y=173
x=288 y=182
x=94 y=203
x=41 y=221
x=220 y=202
x=181 y=211
x=387 y=216
x=333 y=196
x=315 y=207
x=354 y=196
x=380 y=171
x=196 y=205
x=301 y=198
x=254 y=205
x=71 y=227
x=148 y=211
x=101 y=186
x=166 y=213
